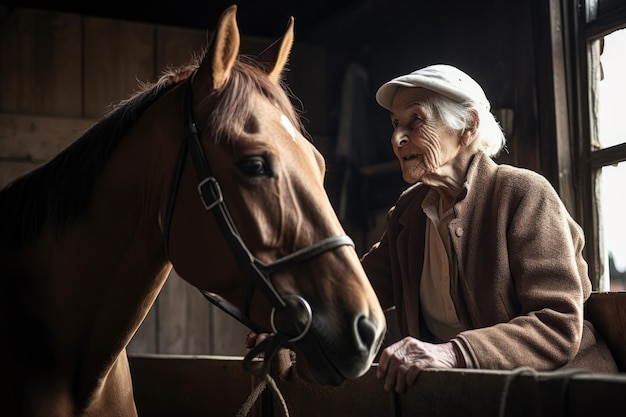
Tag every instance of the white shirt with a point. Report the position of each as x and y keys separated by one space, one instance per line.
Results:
x=437 y=306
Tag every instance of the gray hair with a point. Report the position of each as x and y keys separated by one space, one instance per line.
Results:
x=458 y=116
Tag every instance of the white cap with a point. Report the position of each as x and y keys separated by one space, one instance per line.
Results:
x=443 y=79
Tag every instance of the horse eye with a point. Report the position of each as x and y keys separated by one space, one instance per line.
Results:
x=254 y=166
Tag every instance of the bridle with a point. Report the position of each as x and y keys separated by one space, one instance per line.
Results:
x=257 y=273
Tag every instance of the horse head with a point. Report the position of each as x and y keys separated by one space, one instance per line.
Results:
x=250 y=178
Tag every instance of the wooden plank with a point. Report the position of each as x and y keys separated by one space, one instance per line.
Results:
x=607 y=312
x=592 y=395
x=182 y=321
x=309 y=82
x=227 y=334
x=176 y=47
x=38 y=138
x=145 y=339
x=183 y=324
x=189 y=324
x=188 y=386
x=118 y=55
x=28 y=141
x=40 y=70
x=10 y=170
x=359 y=397
x=205 y=385
x=520 y=393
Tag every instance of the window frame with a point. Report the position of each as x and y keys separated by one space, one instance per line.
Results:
x=586 y=26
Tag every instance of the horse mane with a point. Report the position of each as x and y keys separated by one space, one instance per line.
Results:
x=59 y=191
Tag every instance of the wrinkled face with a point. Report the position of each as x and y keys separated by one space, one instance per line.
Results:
x=420 y=140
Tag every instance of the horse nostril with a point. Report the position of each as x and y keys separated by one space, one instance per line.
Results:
x=365 y=332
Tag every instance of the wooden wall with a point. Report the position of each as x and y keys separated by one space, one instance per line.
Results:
x=59 y=74
x=210 y=386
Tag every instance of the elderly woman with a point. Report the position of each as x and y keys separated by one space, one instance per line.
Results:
x=482 y=261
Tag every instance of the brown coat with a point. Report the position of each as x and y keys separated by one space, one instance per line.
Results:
x=522 y=279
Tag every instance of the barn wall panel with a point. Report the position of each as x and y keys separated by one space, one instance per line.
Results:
x=9 y=170
x=607 y=311
x=177 y=386
x=38 y=138
x=183 y=325
x=27 y=141
x=176 y=47
x=118 y=56
x=146 y=339
x=359 y=397
x=205 y=385
x=308 y=80
x=228 y=335
x=40 y=63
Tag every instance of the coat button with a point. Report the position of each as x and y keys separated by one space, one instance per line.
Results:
x=459 y=231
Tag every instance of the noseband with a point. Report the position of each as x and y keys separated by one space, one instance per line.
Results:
x=256 y=272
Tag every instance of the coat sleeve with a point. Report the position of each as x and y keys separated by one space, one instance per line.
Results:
x=540 y=278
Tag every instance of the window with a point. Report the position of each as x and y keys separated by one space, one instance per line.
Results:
x=611 y=131
x=601 y=57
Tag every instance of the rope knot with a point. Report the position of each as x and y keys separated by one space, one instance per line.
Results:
x=269 y=349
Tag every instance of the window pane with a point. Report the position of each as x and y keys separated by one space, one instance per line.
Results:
x=612 y=90
x=612 y=205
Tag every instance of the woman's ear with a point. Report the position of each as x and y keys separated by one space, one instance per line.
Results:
x=469 y=133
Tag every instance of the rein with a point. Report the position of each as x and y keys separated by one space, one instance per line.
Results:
x=256 y=272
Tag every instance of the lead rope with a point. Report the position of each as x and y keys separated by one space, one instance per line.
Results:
x=254 y=395
x=567 y=375
x=510 y=378
x=270 y=346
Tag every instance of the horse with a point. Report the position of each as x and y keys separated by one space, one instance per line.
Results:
x=208 y=171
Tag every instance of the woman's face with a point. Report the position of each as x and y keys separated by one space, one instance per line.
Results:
x=421 y=142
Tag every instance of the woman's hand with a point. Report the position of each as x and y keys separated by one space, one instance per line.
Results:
x=401 y=362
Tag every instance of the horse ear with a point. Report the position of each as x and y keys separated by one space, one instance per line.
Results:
x=223 y=49
x=275 y=57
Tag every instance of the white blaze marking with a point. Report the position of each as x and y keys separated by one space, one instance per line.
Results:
x=288 y=126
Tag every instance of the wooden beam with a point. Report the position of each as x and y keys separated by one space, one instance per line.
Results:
x=38 y=138
x=27 y=141
x=205 y=385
